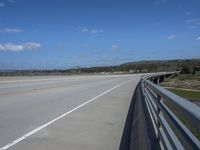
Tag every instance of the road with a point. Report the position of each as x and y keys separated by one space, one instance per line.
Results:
x=77 y=112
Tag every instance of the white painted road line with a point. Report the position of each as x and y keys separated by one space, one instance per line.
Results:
x=54 y=120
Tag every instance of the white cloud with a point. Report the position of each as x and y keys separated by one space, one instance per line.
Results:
x=2 y=4
x=193 y=23
x=87 y=30
x=95 y=31
x=86 y=45
x=84 y=30
x=11 y=1
x=115 y=47
x=198 y=38
x=171 y=37
x=193 y=20
x=188 y=13
x=10 y=30
x=19 y=47
x=158 y=2
x=33 y=31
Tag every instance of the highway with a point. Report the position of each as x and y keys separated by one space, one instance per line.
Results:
x=73 y=112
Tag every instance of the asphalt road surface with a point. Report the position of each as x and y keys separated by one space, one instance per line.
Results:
x=77 y=112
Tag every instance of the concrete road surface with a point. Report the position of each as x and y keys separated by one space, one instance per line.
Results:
x=75 y=113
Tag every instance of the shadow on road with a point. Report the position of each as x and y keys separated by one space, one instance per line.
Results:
x=138 y=131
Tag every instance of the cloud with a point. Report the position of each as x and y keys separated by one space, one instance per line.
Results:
x=115 y=47
x=86 y=45
x=188 y=13
x=171 y=37
x=194 y=22
x=84 y=30
x=198 y=38
x=159 y=2
x=2 y=4
x=13 y=30
x=19 y=47
x=95 y=31
x=11 y=1
x=34 y=31
x=87 y=30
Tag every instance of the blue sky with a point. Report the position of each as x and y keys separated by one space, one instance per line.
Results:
x=46 y=34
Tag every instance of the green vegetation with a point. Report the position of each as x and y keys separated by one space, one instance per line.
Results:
x=185 y=81
x=180 y=114
x=193 y=129
x=190 y=95
x=188 y=77
x=187 y=85
x=189 y=126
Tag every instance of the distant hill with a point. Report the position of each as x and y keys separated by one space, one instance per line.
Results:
x=188 y=65
x=161 y=65
x=163 y=61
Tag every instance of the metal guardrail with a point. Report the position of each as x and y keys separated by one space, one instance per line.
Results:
x=170 y=131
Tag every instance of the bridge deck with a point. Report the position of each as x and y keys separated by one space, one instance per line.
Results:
x=97 y=124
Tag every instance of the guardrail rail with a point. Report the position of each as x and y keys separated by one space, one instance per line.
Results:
x=170 y=131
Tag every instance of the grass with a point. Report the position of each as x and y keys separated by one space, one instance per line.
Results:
x=185 y=81
x=184 y=77
x=188 y=82
x=189 y=126
x=188 y=77
x=190 y=95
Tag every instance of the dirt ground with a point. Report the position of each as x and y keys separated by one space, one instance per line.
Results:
x=186 y=84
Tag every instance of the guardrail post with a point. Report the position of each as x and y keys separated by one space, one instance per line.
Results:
x=158 y=80
x=158 y=115
x=144 y=89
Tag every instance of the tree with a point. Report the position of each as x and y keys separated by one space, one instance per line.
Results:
x=186 y=69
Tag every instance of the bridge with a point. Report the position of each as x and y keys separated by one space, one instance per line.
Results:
x=93 y=112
